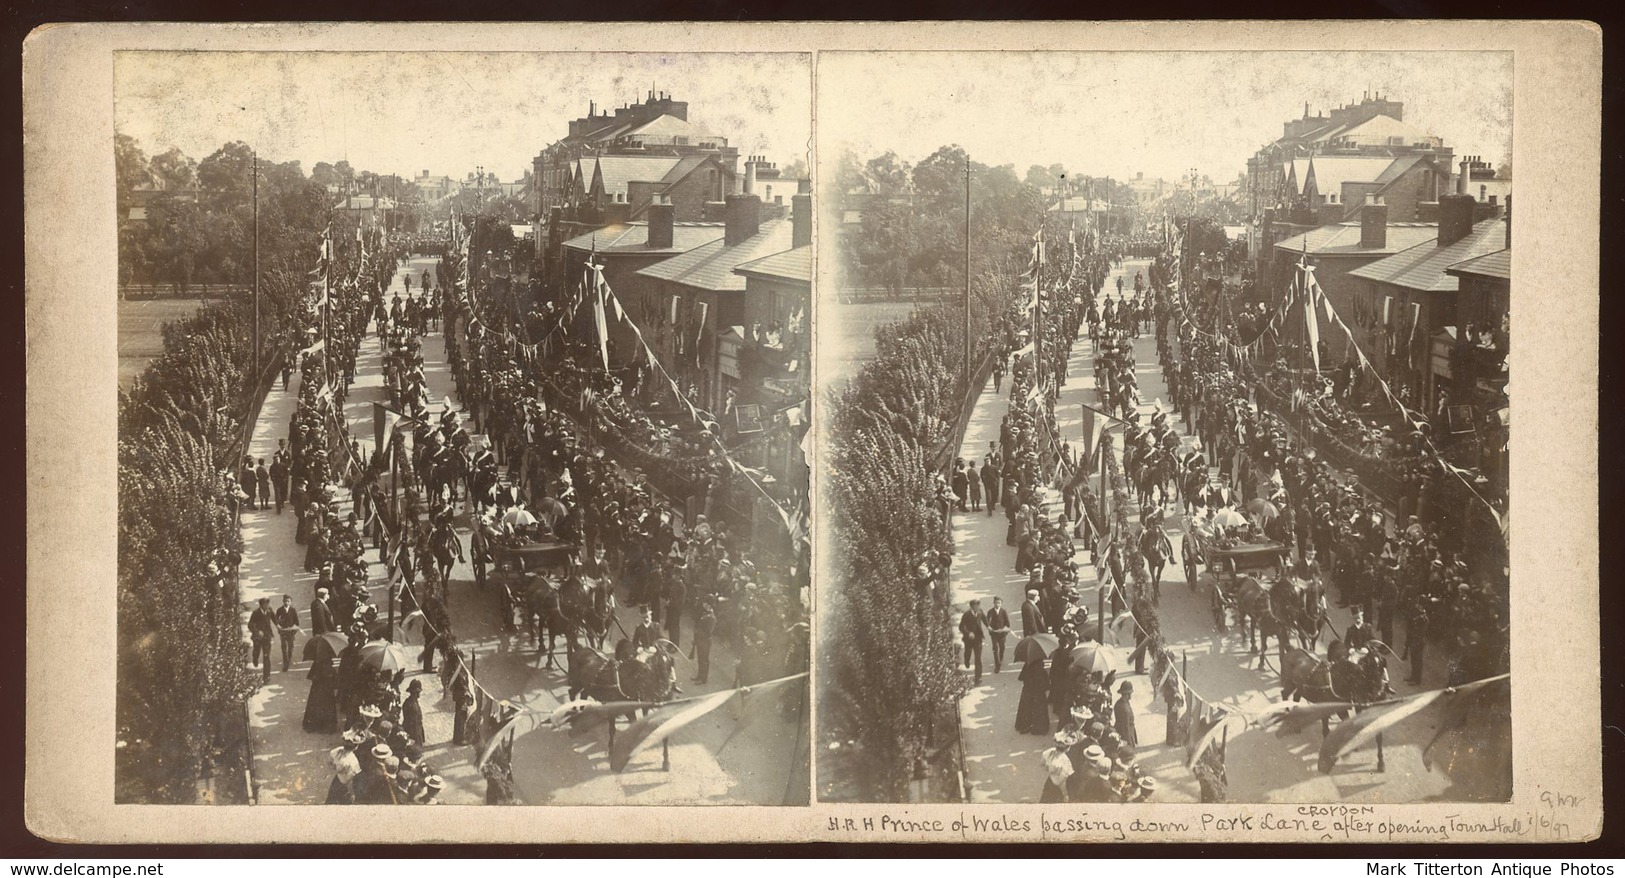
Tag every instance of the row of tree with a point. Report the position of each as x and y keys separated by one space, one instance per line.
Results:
x=181 y=676
x=889 y=647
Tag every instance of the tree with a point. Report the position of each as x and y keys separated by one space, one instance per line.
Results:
x=130 y=168
x=796 y=170
x=849 y=173
x=886 y=174
x=1045 y=179
x=226 y=177
x=174 y=170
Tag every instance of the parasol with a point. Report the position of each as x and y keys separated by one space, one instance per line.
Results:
x=518 y=517
x=1229 y=518
x=1095 y=658
x=327 y=645
x=384 y=656
x=1036 y=647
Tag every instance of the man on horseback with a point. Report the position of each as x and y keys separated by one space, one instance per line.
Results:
x=1155 y=548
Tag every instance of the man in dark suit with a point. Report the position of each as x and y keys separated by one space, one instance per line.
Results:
x=287 y=627
x=259 y=630
x=970 y=628
x=998 y=625
x=990 y=479
x=703 y=626
x=321 y=616
x=279 y=481
x=1359 y=633
x=1032 y=620
x=676 y=596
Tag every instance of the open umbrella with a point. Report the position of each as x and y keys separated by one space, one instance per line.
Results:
x=327 y=645
x=1095 y=658
x=518 y=517
x=384 y=656
x=1229 y=518
x=1036 y=647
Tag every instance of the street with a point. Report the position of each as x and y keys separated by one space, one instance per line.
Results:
x=722 y=758
x=1004 y=766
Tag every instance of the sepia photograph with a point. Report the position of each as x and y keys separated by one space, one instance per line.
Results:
x=1167 y=427
x=912 y=432
x=461 y=409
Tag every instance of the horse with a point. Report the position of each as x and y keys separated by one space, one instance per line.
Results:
x=1156 y=549
x=444 y=470
x=1307 y=611
x=446 y=548
x=626 y=677
x=1360 y=681
x=1256 y=611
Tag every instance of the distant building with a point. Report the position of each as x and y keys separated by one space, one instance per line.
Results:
x=434 y=188
x=657 y=127
x=368 y=210
x=1323 y=166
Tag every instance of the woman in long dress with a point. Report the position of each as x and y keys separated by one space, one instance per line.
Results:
x=321 y=707
x=1032 y=713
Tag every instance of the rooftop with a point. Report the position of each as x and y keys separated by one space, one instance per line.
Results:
x=1343 y=239
x=618 y=170
x=1422 y=267
x=1332 y=171
x=1496 y=265
x=634 y=238
x=791 y=265
x=711 y=266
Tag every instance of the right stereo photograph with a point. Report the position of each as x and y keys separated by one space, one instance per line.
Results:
x=1165 y=426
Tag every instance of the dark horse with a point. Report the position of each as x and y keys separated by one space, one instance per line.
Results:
x=626 y=677
x=1257 y=613
x=549 y=611
x=1361 y=680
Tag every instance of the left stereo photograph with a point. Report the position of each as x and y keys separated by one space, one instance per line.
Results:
x=463 y=400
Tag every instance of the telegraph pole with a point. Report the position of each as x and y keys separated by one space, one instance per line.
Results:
x=256 y=372
x=968 y=377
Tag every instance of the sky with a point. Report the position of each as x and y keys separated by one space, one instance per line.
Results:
x=1161 y=113
x=446 y=112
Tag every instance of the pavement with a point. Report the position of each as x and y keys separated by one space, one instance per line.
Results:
x=1004 y=766
x=735 y=755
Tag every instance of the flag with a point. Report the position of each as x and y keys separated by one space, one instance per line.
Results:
x=1410 y=345
x=599 y=319
x=699 y=331
x=1311 y=323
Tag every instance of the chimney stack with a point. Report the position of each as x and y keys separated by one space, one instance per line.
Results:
x=1455 y=218
x=804 y=187
x=744 y=218
x=1373 y=224
x=661 y=214
x=750 y=176
x=801 y=219
x=1461 y=181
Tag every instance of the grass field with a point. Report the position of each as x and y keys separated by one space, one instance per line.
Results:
x=141 y=332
